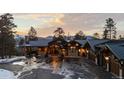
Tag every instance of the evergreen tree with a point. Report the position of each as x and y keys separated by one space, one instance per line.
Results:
x=32 y=34
x=110 y=29
x=59 y=33
x=7 y=41
x=22 y=41
x=96 y=35
x=79 y=36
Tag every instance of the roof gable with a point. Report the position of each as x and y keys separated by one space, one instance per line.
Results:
x=95 y=42
x=117 y=50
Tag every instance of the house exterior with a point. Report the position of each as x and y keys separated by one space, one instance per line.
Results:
x=54 y=47
x=37 y=47
x=91 y=50
x=111 y=56
x=106 y=53
x=57 y=47
x=115 y=59
x=82 y=50
x=72 y=47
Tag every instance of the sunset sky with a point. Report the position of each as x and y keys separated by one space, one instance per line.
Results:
x=46 y=23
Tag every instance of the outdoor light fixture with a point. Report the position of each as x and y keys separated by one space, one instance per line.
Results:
x=107 y=58
x=87 y=51
x=76 y=44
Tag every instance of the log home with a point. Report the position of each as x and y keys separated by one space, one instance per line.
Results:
x=114 y=60
x=82 y=50
x=91 y=49
x=52 y=47
x=38 y=47
x=111 y=55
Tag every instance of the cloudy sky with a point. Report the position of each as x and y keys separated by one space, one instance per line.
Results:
x=46 y=23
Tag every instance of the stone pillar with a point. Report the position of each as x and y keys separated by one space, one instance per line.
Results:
x=107 y=69
x=120 y=73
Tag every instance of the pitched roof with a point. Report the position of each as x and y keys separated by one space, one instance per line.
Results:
x=119 y=42
x=82 y=42
x=117 y=50
x=59 y=42
x=94 y=42
x=39 y=42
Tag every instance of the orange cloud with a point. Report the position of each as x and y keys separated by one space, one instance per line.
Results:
x=21 y=32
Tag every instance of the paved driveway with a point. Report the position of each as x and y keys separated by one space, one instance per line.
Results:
x=89 y=70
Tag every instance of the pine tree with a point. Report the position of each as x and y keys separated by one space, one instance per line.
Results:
x=22 y=41
x=96 y=35
x=110 y=29
x=79 y=36
x=7 y=41
x=32 y=34
x=59 y=33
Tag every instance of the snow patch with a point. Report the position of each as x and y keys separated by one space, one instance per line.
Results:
x=5 y=74
x=67 y=73
x=22 y=63
x=43 y=65
x=10 y=60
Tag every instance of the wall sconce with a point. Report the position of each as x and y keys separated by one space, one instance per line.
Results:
x=106 y=58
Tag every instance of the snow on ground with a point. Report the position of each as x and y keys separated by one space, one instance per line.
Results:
x=22 y=63
x=29 y=67
x=10 y=60
x=5 y=74
x=63 y=70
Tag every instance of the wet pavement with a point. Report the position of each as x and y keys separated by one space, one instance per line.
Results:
x=40 y=74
